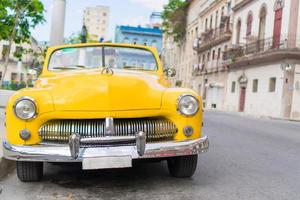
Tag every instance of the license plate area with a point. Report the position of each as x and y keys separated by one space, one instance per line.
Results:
x=107 y=162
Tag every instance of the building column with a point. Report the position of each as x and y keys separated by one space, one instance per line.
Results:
x=58 y=22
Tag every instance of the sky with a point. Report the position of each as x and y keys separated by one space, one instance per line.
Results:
x=122 y=12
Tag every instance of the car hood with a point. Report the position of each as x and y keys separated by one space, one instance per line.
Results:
x=103 y=92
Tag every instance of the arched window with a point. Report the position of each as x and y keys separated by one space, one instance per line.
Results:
x=238 y=31
x=126 y=40
x=217 y=19
x=145 y=42
x=135 y=41
x=154 y=43
x=262 y=23
x=249 y=24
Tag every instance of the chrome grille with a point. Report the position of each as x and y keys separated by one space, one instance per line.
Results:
x=60 y=130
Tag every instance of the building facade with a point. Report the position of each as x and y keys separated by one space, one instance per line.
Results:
x=264 y=59
x=247 y=55
x=139 y=35
x=18 y=69
x=96 y=20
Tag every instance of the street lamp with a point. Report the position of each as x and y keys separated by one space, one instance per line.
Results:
x=84 y=34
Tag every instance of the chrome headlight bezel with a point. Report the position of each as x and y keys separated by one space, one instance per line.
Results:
x=34 y=113
x=196 y=101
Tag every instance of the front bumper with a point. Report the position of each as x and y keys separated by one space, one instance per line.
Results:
x=61 y=153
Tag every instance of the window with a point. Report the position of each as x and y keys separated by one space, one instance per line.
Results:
x=211 y=22
x=0 y=75
x=14 y=76
x=208 y=56
x=206 y=22
x=233 y=86
x=216 y=21
x=104 y=14
x=222 y=11
x=213 y=54
x=249 y=24
x=255 y=86
x=219 y=53
x=135 y=41
x=238 y=31
x=22 y=78
x=4 y=51
x=262 y=23
x=145 y=42
x=272 y=84
x=154 y=43
x=126 y=40
x=203 y=58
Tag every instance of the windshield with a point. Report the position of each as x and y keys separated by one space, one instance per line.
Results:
x=76 y=58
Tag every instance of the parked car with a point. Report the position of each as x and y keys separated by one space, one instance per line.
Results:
x=104 y=105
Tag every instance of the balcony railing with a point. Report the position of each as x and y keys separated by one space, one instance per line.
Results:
x=258 y=47
x=213 y=37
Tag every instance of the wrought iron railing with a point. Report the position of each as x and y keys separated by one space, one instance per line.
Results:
x=213 y=34
x=259 y=46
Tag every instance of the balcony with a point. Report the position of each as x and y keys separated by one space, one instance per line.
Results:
x=209 y=67
x=213 y=37
x=258 y=51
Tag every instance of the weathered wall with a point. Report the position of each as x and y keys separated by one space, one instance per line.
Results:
x=4 y=96
x=263 y=102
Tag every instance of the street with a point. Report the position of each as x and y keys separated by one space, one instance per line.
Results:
x=249 y=158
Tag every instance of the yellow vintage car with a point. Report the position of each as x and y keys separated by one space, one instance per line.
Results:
x=104 y=105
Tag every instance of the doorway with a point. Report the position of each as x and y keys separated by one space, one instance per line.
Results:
x=242 y=99
x=277 y=28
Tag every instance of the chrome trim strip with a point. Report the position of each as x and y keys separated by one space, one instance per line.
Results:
x=107 y=140
x=61 y=153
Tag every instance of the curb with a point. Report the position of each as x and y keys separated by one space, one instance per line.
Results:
x=254 y=116
x=6 y=166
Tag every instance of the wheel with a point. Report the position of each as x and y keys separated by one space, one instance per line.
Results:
x=183 y=166
x=30 y=171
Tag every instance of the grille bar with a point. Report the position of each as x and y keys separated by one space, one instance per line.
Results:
x=60 y=130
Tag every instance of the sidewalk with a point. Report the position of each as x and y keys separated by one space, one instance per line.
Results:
x=252 y=116
x=5 y=165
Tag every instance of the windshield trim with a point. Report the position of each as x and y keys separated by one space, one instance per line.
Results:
x=103 y=57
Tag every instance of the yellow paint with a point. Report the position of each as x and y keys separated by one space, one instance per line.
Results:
x=88 y=94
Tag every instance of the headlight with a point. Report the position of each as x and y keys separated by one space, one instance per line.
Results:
x=188 y=105
x=25 y=108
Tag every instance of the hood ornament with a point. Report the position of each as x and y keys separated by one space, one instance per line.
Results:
x=107 y=70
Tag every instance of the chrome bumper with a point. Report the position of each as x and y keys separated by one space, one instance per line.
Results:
x=62 y=153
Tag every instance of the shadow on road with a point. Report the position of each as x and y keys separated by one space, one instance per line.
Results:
x=72 y=177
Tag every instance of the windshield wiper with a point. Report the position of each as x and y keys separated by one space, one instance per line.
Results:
x=70 y=67
x=133 y=67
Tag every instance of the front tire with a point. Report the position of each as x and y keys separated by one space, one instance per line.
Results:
x=183 y=166
x=29 y=171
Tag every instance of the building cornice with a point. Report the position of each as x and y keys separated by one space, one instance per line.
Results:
x=267 y=57
x=210 y=7
x=241 y=4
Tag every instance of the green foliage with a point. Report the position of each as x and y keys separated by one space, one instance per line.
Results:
x=174 y=19
x=18 y=18
x=178 y=83
x=75 y=38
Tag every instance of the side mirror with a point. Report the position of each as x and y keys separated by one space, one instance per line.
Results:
x=170 y=72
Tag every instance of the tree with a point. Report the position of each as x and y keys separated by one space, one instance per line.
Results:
x=17 y=19
x=174 y=19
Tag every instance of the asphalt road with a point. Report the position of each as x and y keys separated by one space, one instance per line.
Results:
x=249 y=158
